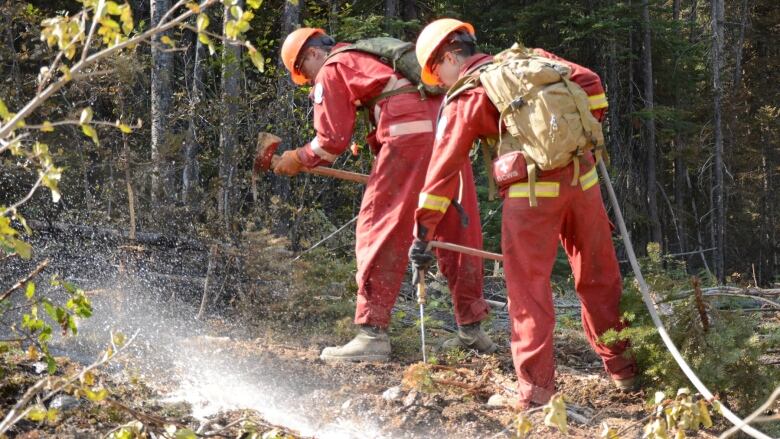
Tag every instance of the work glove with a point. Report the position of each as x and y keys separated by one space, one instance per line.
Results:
x=288 y=164
x=421 y=258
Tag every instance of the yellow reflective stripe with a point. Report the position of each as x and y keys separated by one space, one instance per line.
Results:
x=589 y=179
x=433 y=202
x=545 y=189
x=598 y=101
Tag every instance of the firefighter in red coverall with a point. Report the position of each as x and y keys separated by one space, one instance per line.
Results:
x=575 y=215
x=403 y=141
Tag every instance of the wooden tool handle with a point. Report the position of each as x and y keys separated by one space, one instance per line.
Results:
x=466 y=250
x=338 y=173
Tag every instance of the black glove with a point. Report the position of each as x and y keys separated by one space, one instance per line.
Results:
x=421 y=258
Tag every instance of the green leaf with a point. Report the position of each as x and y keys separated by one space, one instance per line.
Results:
x=51 y=365
x=30 y=290
x=293 y=2
x=236 y=11
x=257 y=60
x=90 y=132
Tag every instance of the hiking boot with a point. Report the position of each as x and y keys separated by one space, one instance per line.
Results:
x=626 y=384
x=370 y=344
x=471 y=337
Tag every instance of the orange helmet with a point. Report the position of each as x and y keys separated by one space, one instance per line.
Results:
x=292 y=47
x=431 y=38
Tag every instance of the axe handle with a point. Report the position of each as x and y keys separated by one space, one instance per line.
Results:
x=467 y=250
x=324 y=171
x=338 y=173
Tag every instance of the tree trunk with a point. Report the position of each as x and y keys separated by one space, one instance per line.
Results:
x=718 y=191
x=162 y=63
x=228 y=133
x=647 y=76
x=191 y=174
x=738 y=46
x=285 y=90
x=392 y=8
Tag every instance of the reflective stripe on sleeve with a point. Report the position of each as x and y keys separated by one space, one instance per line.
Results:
x=433 y=202
x=321 y=153
x=598 y=101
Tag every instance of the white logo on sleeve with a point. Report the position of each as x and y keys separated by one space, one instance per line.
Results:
x=440 y=127
x=319 y=91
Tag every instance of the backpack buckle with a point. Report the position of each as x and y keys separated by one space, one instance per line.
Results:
x=517 y=103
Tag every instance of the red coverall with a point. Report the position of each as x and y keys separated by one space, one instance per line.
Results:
x=404 y=141
x=574 y=215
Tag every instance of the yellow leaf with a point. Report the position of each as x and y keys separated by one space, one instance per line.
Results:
x=242 y=26
x=231 y=31
x=86 y=116
x=37 y=413
x=257 y=60
x=607 y=432
x=65 y=72
x=555 y=414
x=119 y=339
x=254 y=4
x=4 y=111
x=704 y=414
x=523 y=426
x=293 y=2
x=194 y=7
x=47 y=127
x=95 y=396
x=32 y=353
x=202 y=22
x=165 y=39
x=236 y=11
x=51 y=415
x=124 y=128
x=113 y=8
x=88 y=378
x=90 y=132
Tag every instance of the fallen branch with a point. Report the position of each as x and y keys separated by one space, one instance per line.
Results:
x=22 y=282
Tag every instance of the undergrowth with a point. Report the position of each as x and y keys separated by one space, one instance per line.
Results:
x=722 y=343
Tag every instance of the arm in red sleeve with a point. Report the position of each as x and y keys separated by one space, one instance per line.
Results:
x=469 y=116
x=588 y=80
x=334 y=116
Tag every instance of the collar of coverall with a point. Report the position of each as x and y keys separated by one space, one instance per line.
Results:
x=475 y=61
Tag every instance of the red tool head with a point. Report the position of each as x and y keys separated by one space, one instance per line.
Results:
x=267 y=144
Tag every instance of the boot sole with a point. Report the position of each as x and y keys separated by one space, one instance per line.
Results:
x=356 y=359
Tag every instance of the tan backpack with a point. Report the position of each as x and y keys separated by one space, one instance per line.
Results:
x=546 y=114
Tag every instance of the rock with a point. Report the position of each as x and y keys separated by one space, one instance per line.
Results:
x=410 y=399
x=64 y=403
x=393 y=394
x=496 y=400
x=39 y=367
